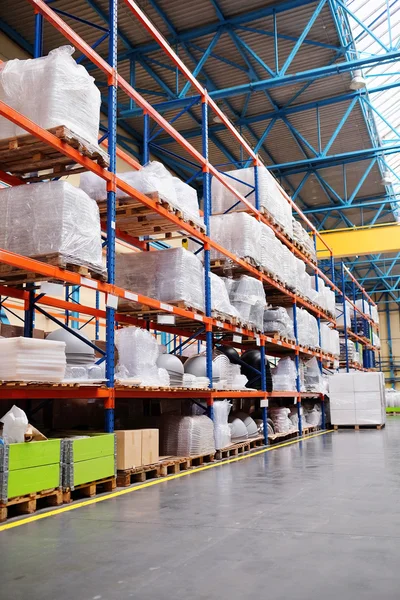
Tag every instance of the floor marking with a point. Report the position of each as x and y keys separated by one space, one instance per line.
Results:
x=141 y=486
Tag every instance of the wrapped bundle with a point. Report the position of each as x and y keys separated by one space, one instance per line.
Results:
x=301 y=236
x=376 y=340
x=138 y=352
x=239 y=233
x=313 y=381
x=280 y=418
x=173 y=275
x=220 y=298
x=351 y=350
x=270 y=250
x=242 y=180
x=187 y=436
x=339 y=310
x=284 y=375
x=288 y=267
x=187 y=201
x=313 y=415
x=307 y=328
x=222 y=431
x=294 y=417
x=51 y=91
x=31 y=359
x=51 y=218
x=248 y=297
x=277 y=320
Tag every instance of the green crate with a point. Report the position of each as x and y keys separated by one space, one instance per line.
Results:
x=95 y=446
x=87 y=471
x=29 y=481
x=33 y=454
x=87 y=459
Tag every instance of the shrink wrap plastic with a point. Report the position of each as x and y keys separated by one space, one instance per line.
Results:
x=277 y=320
x=270 y=250
x=173 y=275
x=376 y=340
x=138 y=352
x=325 y=297
x=330 y=340
x=187 y=436
x=51 y=91
x=220 y=298
x=15 y=424
x=31 y=359
x=280 y=418
x=307 y=327
x=313 y=414
x=284 y=375
x=313 y=380
x=248 y=297
x=237 y=232
x=392 y=398
x=222 y=431
x=152 y=178
x=51 y=218
x=339 y=310
x=370 y=311
x=301 y=236
x=351 y=350
x=270 y=196
x=294 y=417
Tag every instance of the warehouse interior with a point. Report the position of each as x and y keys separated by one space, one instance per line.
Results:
x=199 y=298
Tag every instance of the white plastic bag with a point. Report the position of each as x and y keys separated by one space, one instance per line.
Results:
x=15 y=423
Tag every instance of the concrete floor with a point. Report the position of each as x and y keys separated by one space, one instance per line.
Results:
x=316 y=519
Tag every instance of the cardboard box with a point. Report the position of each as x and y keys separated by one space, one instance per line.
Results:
x=150 y=446
x=9 y=331
x=129 y=448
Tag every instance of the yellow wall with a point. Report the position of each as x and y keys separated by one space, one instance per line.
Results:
x=395 y=336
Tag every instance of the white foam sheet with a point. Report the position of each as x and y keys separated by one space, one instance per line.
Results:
x=51 y=91
x=172 y=275
x=32 y=359
x=52 y=217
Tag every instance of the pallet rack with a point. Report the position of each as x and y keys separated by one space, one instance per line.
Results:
x=196 y=325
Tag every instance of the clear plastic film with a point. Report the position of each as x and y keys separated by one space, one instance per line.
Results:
x=284 y=375
x=222 y=431
x=237 y=232
x=220 y=298
x=329 y=340
x=281 y=419
x=138 y=352
x=270 y=250
x=187 y=436
x=242 y=180
x=277 y=320
x=51 y=91
x=313 y=381
x=248 y=297
x=51 y=218
x=173 y=275
x=357 y=398
x=307 y=327
x=32 y=359
x=301 y=236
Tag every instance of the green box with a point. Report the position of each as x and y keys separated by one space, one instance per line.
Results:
x=87 y=459
x=29 y=467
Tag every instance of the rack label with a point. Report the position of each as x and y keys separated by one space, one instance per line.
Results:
x=237 y=339
x=166 y=307
x=264 y=403
x=166 y=319
x=198 y=317
x=130 y=296
x=89 y=282
x=112 y=301
x=53 y=289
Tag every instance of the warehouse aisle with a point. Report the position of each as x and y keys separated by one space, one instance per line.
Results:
x=313 y=519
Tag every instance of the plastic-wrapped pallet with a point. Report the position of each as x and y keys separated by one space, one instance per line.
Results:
x=288 y=267
x=301 y=236
x=187 y=436
x=363 y=305
x=270 y=249
x=351 y=350
x=150 y=179
x=376 y=340
x=239 y=233
x=31 y=359
x=280 y=418
x=242 y=180
x=307 y=327
x=284 y=375
x=138 y=352
x=51 y=91
x=222 y=431
x=51 y=218
x=277 y=320
x=294 y=417
x=313 y=381
x=220 y=302
x=173 y=275
x=313 y=414
x=248 y=297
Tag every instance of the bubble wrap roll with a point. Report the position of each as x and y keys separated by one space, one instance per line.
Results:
x=52 y=90
x=51 y=218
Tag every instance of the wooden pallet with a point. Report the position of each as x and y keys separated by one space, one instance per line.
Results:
x=240 y=448
x=358 y=427
x=136 y=219
x=26 y=505
x=90 y=489
x=277 y=438
x=15 y=275
x=26 y=154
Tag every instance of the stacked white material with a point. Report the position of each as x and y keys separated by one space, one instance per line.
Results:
x=248 y=297
x=138 y=352
x=239 y=233
x=220 y=299
x=294 y=417
x=222 y=431
x=325 y=296
x=150 y=179
x=51 y=218
x=271 y=249
x=236 y=381
x=303 y=280
x=51 y=91
x=357 y=398
x=307 y=327
x=188 y=436
x=31 y=359
x=284 y=375
x=173 y=275
x=313 y=415
x=301 y=236
x=340 y=316
x=288 y=267
x=313 y=381
x=376 y=340
x=374 y=314
x=351 y=350
x=280 y=418
x=277 y=320
x=242 y=180
x=330 y=340
x=392 y=398
x=363 y=305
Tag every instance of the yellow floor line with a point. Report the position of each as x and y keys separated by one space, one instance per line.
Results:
x=129 y=490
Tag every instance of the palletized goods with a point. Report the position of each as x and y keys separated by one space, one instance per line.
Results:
x=31 y=359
